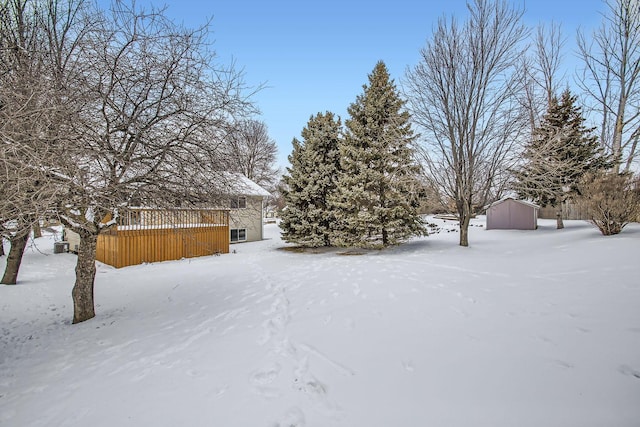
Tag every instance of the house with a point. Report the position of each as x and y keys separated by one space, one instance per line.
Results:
x=246 y=204
x=145 y=234
x=72 y=238
x=509 y=213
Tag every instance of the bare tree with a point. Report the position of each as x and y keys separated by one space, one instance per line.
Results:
x=461 y=94
x=541 y=72
x=277 y=201
x=251 y=152
x=611 y=79
x=30 y=116
x=155 y=109
x=548 y=46
x=19 y=113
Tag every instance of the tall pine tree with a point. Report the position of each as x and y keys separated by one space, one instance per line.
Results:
x=307 y=219
x=375 y=202
x=561 y=151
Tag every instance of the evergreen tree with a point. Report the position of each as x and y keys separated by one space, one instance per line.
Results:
x=376 y=202
x=307 y=219
x=561 y=151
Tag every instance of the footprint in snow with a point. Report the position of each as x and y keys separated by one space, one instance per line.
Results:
x=262 y=379
x=459 y=311
x=311 y=386
x=350 y=323
x=318 y=393
x=356 y=289
x=628 y=370
x=266 y=375
x=194 y=373
x=408 y=366
x=294 y=417
x=564 y=364
x=221 y=391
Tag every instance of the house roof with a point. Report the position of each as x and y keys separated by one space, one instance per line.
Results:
x=504 y=199
x=240 y=185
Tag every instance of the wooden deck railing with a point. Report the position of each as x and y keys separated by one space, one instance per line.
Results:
x=149 y=235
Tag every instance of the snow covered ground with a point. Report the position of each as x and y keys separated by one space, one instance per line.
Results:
x=524 y=328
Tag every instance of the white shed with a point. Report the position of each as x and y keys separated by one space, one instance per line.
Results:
x=509 y=213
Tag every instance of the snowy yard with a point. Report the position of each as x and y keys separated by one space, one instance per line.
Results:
x=524 y=328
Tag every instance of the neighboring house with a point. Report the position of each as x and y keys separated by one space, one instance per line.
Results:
x=509 y=213
x=246 y=202
x=270 y=214
x=72 y=238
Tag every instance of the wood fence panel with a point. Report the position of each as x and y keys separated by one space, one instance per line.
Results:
x=100 y=249
x=107 y=248
x=148 y=235
x=570 y=211
x=132 y=247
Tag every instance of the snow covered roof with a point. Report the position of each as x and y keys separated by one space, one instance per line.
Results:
x=240 y=185
x=504 y=199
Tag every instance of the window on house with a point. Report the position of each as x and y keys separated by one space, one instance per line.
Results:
x=238 y=203
x=238 y=234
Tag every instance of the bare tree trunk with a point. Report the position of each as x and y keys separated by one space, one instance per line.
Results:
x=14 y=259
x=37 y=232
x=2 y=247
x=616 y=149
x=632 y=151
x=464 y=212
x=559 y=222
x=83 y=307
x=464 y=231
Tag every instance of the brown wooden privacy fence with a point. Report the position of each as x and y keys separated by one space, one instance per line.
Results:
x=150 y=235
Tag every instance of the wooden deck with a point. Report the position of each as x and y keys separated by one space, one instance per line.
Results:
x=141 y=237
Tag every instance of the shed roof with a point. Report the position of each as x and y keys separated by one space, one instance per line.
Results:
x=504 y=199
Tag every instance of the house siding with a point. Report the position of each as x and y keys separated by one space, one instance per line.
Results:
x=249 y=218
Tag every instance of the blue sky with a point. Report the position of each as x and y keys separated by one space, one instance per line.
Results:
x=315 y=56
